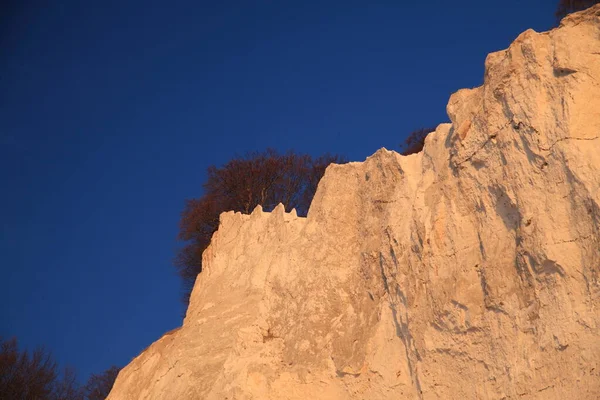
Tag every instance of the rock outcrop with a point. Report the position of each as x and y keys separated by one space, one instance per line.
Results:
x=468 y=271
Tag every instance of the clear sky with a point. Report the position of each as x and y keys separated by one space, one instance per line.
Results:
x=111 y=111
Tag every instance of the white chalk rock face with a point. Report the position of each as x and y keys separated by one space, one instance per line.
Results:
x=468 y=271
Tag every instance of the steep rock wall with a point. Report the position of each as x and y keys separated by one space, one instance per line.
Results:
x=470 y=270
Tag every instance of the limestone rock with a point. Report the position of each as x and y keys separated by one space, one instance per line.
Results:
x=467 y=271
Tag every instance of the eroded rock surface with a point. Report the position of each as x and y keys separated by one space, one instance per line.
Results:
x=467 y=271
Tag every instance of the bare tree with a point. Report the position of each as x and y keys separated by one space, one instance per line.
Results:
x=99 y=386
x=33 y=377
x=266 y=178
x=67 y=387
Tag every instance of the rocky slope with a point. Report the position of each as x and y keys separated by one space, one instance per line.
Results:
x=468 y=271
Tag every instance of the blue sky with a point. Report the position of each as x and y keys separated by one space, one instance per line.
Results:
x=111 y=112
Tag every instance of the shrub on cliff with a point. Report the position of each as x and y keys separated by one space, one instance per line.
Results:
x=415 y=141
x=266 y=178
x=566 y=7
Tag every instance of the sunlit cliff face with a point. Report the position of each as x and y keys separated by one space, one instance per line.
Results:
x=469 y=270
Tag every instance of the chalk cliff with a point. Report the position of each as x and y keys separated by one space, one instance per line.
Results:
x=468 y=271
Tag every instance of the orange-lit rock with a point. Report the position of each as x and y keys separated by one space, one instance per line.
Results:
x=468 y=271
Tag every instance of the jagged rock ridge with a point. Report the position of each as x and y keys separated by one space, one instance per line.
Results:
x=470 y=270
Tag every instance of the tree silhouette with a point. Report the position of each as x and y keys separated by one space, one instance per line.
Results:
x=566 y=7
x=67 y=387
x=99 y=386
x=415 y=141
x=33 y=377
x=266 y=178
